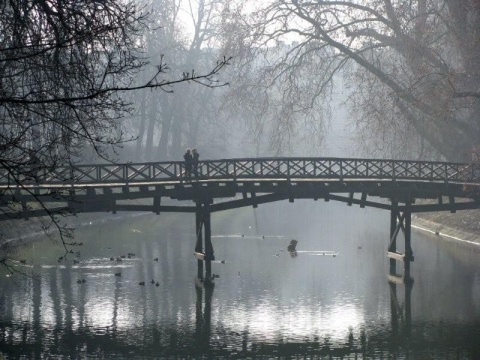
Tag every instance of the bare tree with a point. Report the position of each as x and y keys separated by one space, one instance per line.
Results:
x=279 y=90
x=188 y=39
x=412 y=65
x=65 y=67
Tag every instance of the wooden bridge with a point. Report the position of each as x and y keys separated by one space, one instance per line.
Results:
x=216 y=185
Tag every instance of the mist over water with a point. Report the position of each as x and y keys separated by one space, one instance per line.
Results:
x=264 y=301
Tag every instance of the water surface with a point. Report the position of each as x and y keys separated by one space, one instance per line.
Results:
x=331 y=300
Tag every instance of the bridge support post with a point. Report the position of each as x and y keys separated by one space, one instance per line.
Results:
x=203 y=246
x=408 y=247
x=393 y=236
x=400 y=221
x=199 y=239
x=209 y=256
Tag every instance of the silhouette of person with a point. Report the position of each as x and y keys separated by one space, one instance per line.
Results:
x=188 y=162
x=195 y=156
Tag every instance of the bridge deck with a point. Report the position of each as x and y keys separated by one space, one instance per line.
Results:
x=233 y=183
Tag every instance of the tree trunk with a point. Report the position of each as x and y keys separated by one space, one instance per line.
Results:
x=152 y=119
x=164 y=136
x=141 y=129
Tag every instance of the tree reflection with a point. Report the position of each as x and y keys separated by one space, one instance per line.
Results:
x=149 y=341
x=186 y=324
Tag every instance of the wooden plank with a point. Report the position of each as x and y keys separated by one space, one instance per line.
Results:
x=395 y=279
x=203 y=257
x=199 y=256
x=396 y=256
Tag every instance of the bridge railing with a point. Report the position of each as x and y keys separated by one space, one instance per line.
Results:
x=254 y=168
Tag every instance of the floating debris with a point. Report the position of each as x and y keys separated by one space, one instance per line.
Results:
x=318 y=252
x=292 y=246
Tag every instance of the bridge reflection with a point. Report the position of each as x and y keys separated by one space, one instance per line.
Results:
x=400 y=339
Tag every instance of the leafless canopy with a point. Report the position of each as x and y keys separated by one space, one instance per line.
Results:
x=64 y=68
x=411 y=65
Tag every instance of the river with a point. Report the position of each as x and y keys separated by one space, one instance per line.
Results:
x=331 y=300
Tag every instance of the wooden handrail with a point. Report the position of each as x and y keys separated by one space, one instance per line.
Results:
x=288 y=168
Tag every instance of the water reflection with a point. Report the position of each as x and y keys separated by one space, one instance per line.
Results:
x=264 y=303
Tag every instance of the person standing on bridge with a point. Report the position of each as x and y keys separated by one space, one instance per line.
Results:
x=195 y=156
x=188 y=163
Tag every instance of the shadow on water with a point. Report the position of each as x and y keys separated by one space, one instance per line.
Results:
x=264 y=302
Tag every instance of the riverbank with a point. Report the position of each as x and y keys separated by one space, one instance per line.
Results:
x=15 y=233
x=462 y=226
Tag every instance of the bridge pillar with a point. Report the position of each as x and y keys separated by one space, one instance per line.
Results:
x=393 y=236
x=199 y=239
x=400 y=221
x=209 y=256
x=203 y=246
x=408 y=246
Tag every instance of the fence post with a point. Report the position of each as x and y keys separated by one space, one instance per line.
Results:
x=178 y=171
